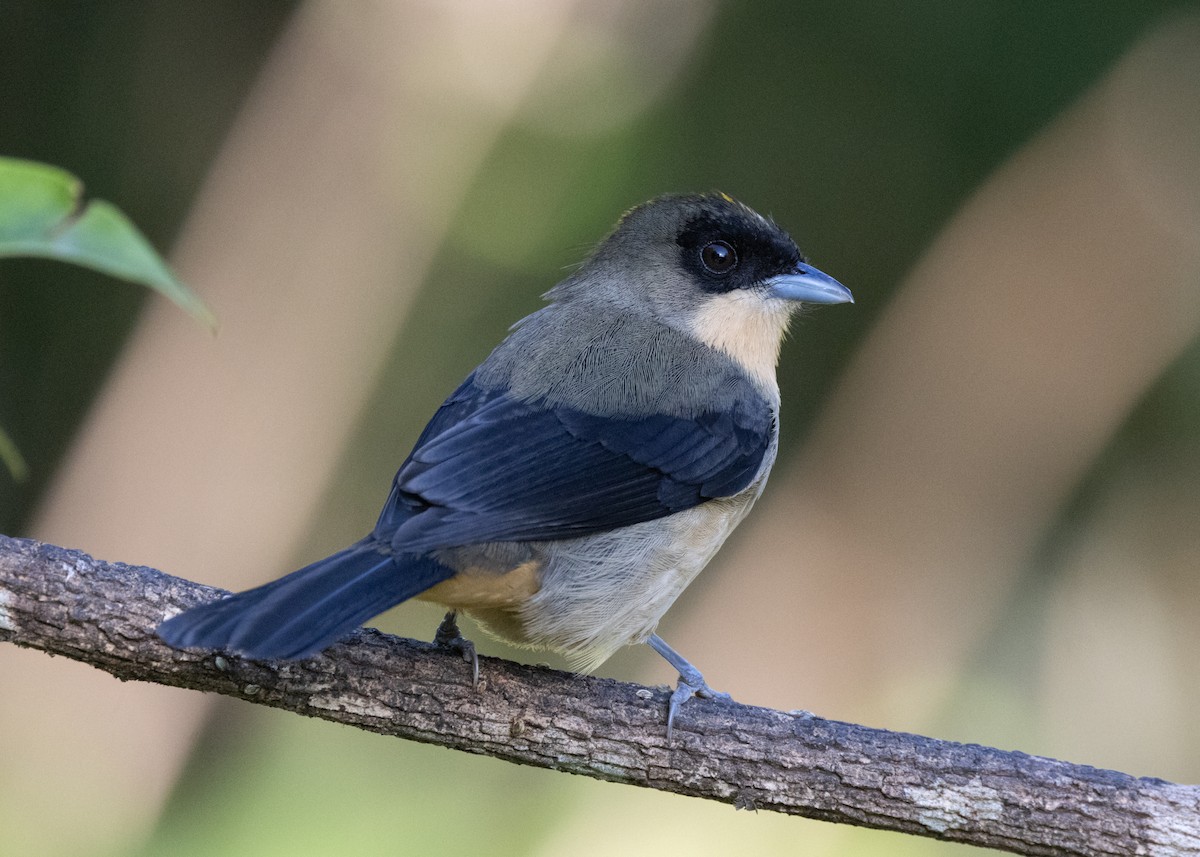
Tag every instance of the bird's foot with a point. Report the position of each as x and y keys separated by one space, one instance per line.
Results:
x=448 y=636
x=691 y=682
x=689 y=686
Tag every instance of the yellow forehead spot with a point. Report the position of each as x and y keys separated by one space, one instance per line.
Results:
x=727 y=197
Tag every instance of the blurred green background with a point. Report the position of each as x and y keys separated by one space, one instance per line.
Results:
x=863 y=128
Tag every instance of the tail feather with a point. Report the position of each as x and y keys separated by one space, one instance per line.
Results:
x=308 y=610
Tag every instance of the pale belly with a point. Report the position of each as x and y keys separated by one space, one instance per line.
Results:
x=602 y=592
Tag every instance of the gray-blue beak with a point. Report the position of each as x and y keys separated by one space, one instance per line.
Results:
x=809 y=285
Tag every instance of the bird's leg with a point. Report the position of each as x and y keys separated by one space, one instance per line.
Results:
x=450 y=637
x=691 y=683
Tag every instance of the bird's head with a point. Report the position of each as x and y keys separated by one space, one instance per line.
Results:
x=710 y=267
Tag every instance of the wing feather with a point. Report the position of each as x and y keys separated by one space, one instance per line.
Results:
x=490 y=467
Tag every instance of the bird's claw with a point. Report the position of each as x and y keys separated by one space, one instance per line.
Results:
x=448 y=636
x=689 y=685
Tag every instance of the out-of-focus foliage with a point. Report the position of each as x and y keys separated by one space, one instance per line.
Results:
x=136 y=97
x=43 y=213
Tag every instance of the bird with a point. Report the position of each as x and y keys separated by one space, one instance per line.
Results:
x=568 y=491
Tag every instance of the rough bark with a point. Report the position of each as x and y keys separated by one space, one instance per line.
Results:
x=67 y=603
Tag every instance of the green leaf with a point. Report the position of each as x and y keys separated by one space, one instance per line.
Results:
x=12 y=458
x=43 y=213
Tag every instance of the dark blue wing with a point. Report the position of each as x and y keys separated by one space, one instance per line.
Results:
x=489 y=467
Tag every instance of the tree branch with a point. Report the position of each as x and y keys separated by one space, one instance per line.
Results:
x=104 y=614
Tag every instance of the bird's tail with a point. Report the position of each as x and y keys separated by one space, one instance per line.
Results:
x=306 y=611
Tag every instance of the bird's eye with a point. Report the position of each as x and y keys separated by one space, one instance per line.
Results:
x=718 y=257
